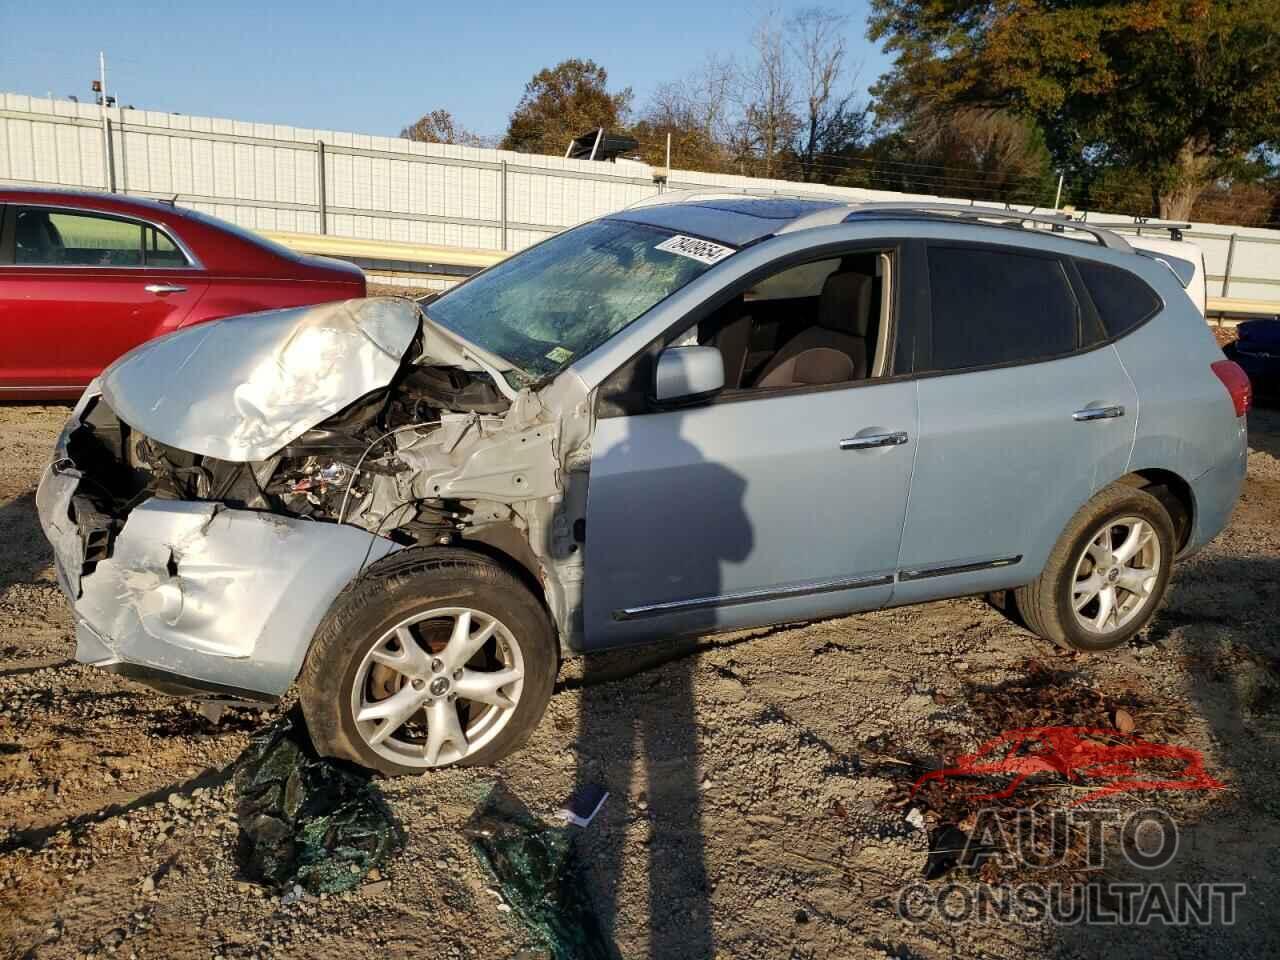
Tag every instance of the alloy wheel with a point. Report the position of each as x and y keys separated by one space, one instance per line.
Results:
x=1116 y=575
x=437 y=687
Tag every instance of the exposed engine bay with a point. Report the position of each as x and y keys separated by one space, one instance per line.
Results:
x=366 y=457
x=444 y=453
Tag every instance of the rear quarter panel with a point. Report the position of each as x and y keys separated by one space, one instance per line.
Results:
x=1186 y=420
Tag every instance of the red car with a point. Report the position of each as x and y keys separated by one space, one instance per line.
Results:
x=85 y=277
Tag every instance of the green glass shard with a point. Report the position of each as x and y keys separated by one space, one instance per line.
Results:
x=537 y=871
x=305 y=820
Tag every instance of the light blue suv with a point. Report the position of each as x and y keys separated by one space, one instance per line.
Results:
x=687 y=417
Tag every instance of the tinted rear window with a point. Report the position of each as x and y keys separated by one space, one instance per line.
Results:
x=994 y=307
x=1123 y=300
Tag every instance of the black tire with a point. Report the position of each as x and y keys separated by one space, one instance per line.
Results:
x=1046 y=603
x=412 y=581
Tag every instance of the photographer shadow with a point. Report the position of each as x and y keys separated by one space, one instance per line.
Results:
x=639 y=738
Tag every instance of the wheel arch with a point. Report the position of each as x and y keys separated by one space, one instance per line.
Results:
x=501 y=544
x=506 y=545
x=1173 y=492
x=1167 y=486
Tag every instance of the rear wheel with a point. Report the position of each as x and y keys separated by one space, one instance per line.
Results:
x=1106 y=575
x=439 y=657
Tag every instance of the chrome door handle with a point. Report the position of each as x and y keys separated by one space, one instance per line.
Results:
x=1098 y=413
x=161 y=289
x=893 y=439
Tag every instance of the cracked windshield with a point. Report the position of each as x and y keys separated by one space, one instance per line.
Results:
x=565 y=297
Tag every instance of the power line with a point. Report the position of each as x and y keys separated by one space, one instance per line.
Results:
x=970 y=179
x=842 y=160
x=1020 y=189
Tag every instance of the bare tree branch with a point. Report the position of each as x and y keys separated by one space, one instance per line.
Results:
x=816 y=36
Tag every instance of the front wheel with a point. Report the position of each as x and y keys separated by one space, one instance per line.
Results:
x=1106 y=575
x=435 y=658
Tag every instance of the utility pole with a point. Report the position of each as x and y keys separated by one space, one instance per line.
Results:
x=1057 y=199
x=666 y=171
x=108 y=166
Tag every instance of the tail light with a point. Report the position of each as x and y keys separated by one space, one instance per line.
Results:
x=1237 y=383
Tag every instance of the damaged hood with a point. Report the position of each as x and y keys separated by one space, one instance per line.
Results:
x=240 y=389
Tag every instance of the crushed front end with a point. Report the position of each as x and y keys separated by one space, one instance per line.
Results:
x=209 y=498
x=196 y=595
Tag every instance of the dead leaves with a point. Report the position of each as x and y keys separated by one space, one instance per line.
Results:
x=1124 y=721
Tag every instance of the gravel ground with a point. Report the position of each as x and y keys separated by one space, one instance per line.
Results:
x=756 y=778
x=387 y=290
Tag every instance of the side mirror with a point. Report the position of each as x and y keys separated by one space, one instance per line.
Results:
x=687 y=374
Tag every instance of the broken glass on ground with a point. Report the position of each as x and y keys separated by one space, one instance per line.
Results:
x=306 y=820
x=539 y=876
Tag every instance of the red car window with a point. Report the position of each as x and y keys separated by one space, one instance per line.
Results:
x=66 y=238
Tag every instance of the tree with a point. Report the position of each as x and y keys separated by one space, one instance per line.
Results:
x=829 y=122
x=691 y=147
x=1244 y=194
x=1248 y=203
x=767 y=96
x=970 y=152
x=842 y=146
x=560 y=103
x=438 y=126
x=694 y=111
x=1172 y=89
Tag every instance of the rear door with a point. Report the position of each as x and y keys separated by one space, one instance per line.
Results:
x=79 y=288
x=1021 y=420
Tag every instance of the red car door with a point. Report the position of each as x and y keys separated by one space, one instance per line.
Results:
x=83 y=288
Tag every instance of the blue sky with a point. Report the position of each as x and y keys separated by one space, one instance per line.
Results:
x=372 y=70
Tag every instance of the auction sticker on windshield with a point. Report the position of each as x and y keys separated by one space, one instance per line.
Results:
x=559 y=355
x=704 y=251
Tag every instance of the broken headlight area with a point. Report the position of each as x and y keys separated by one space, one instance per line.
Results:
x=364 y=465
x=120 y=468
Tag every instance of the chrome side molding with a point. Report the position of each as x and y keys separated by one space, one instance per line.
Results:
x=751 y=596
x=923 y=573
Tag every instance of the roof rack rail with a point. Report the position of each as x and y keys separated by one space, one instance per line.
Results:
x=1140 y=223
x=1059 y=222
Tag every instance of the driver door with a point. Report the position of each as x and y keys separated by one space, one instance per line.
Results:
x=758 y=506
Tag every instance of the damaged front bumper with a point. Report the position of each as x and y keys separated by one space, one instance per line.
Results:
x=195 y=596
